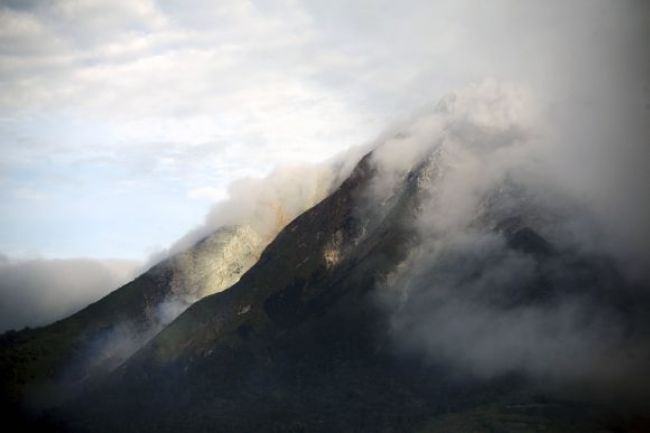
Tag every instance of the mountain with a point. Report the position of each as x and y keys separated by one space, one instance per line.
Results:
x=45 y=366
x=428 y=292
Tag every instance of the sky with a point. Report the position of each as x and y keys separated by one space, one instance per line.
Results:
x=122 y=122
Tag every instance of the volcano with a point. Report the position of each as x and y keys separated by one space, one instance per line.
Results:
x=404 y=301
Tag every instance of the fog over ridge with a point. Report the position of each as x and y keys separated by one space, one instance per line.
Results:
x=548 y=307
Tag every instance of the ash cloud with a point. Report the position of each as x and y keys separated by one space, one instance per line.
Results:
x=260 y=208
x=35 y=292
x=533 y=229
x=518 y=266
x=212 y=257
x=267 y=204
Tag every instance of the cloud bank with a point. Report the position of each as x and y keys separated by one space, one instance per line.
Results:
x=516 y=265
x=35 y=292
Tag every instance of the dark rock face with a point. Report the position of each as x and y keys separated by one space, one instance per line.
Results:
x=524 y=239
x=283 y=307
x=302 y=344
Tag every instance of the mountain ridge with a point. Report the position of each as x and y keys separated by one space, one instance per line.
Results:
x=433 y=288
x=301 y=335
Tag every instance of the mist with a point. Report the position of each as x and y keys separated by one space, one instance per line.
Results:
x=35 y=292
x=266 y=204
x=533 y=224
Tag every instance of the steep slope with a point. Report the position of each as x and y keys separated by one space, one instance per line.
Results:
x=45 y=365
x=287 y=320
x=303 y=342
x=42 y=367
